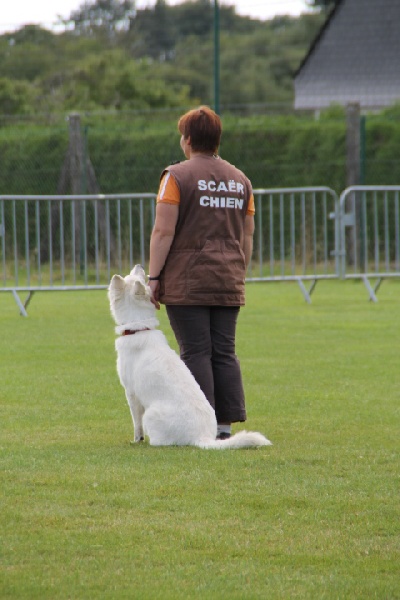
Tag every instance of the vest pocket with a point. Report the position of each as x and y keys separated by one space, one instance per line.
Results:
x=173 y=279
x=218 y=268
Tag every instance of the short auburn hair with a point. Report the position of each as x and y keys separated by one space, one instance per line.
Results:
x=203 y=126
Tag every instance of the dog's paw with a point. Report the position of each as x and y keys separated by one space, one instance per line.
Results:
x=137 y=441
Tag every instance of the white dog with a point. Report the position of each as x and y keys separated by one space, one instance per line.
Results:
x=165 y=400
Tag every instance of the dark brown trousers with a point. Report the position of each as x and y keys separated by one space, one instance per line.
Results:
x=206 y=339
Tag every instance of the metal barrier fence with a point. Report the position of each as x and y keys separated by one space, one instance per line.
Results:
x=71 y=242
x=302 y=234
x=370 y=235
x=297 y=233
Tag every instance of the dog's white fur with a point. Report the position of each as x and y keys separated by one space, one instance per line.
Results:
x=165 y=400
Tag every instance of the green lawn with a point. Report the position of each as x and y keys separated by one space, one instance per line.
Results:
x=87 y=516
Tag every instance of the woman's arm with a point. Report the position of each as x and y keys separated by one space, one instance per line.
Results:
x=248 y=238
x=160 y=242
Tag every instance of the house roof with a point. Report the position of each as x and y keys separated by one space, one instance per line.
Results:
x=355 y=57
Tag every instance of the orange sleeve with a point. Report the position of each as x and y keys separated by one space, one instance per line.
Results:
x=169 y=190
x=251 y=209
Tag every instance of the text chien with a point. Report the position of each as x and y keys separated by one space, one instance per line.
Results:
x=221 y=201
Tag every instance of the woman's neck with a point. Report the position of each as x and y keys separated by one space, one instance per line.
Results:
x=206 y=154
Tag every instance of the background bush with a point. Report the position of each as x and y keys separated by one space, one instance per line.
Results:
x=128 y=154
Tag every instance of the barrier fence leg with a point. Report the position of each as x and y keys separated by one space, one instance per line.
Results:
x=307 y=293
x=22 y=305
x=372 y=291
x=28 y=299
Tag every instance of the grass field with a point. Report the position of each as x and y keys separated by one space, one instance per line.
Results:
x=86 y=515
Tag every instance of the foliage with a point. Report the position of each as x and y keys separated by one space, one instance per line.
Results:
x=16 y=97
x=392 y=112
x=102 y=17
x=382 y=151
x=31 y=159
x=324 y=4
x=86 y=515
x=130 y=150
x=109 y=81
x=112 y=56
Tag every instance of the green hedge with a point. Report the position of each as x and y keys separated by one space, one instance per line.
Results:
x=273 y=152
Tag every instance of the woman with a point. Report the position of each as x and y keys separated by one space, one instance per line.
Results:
x=200 y=247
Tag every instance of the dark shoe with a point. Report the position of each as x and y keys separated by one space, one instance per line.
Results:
x=223 y=436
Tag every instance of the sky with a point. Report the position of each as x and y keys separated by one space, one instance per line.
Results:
x=16 y=13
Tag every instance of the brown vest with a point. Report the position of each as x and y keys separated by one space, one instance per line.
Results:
x=206 y=265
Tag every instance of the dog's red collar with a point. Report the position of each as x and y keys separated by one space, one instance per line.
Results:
x=132 y=332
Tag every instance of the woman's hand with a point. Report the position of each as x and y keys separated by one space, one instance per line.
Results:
x=155 y=293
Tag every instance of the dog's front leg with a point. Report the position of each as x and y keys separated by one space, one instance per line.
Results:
x=137 y=412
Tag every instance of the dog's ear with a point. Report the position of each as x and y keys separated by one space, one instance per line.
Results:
x=139 y=289
x=117 y=284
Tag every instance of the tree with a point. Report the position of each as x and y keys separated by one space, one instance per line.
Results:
x=22 y=56
x=156 y=31
x=151 y=33
x=16 y=97
x=324 y=4
x=109 y=80
x=163 y=59
x=103 y=16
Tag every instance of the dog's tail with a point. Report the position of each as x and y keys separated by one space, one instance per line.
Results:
x=242 y=439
